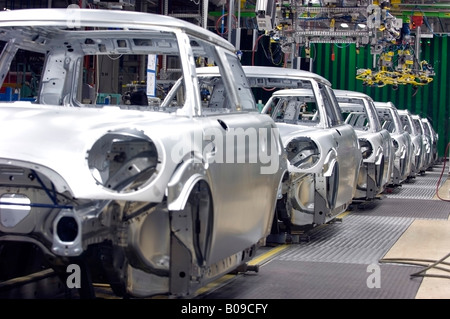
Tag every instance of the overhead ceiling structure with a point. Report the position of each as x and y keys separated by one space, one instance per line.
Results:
x=434 y=15
x=326 y=21
x=390 y=28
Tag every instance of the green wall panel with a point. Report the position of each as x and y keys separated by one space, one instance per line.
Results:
x=431 y=100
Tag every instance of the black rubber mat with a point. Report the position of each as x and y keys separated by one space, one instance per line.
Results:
x=334 y=263
x=333 y=260
x=320 y=280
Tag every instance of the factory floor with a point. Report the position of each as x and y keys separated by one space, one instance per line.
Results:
x=396 y=247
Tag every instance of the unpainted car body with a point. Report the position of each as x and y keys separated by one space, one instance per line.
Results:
x=323 y=153
x=417 y=141
x=358 y=110
x=427 y=143
x=434 y=137
x=390 y=120
x=138 y=193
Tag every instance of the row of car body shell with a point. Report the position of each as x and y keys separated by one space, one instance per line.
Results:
x=422 y=136
x=386 y=147
x=163 y=199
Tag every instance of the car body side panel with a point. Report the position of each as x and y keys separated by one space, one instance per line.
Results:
x=416 y=140
x=426 y=141
x=347 y=163
x=237 y=172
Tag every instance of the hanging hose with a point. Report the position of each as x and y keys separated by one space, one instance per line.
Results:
x=433 y=265
x=440 y=177
x=253 y=58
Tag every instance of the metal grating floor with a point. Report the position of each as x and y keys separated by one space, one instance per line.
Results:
x=334 y=263
x=421 y=187
x=357 y=240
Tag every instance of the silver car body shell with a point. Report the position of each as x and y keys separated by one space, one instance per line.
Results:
x=134 y=183
x=391 y=121
x=416 y=139
x=434 y=141
x=317 y=194
x=427 y=143
x=311 y=197
x=375 y=173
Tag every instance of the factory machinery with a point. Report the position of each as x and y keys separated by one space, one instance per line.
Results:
x=294 y=26
x=298 y=24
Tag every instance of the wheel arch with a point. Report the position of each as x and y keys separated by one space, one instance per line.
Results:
x=186 y=176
